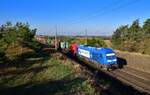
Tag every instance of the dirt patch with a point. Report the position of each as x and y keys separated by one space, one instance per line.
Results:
x=135 y=60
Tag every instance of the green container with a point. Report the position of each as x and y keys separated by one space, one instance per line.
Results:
x=66 y=45
x=62 y=45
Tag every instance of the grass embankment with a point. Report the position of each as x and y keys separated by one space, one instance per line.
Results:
x=135 y=60
x=42 y=74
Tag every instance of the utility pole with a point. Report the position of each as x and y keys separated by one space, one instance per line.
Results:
x=86 y=35
x=56 y=37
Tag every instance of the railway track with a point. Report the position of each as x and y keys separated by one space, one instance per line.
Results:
x=137 y=82
x=137 y=73
x=131 y=83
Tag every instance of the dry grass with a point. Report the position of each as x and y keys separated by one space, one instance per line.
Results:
x=108 y=43
x=136 y=60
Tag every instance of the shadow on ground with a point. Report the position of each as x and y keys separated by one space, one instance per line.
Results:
x=58 y=87
x=29 y=58
x=32 y=62
x=121 y=62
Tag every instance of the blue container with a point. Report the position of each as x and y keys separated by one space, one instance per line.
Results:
x=103 y=56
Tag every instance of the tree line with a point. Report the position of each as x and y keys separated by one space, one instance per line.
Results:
x=91 y=41
x=11 y=34
x=133 y=38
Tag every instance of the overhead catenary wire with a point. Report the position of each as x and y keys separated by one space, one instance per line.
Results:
x=104 y=12
x=56 y=40
x=99 y=10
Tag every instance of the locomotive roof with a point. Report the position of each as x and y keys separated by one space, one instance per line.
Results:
x=101 y=49
x=107 y=50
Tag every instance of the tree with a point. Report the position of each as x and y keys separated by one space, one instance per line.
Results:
x=121 y=32
x=146 y=26
x=120 y=35
x=20 y=32
x=133 y=38
x=135 y=30
x=96 y=42
x=25 y=33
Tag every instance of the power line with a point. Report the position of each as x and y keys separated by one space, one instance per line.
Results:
x=102 y=9
x=86 y=36
x=56 y=41
x=101 y=13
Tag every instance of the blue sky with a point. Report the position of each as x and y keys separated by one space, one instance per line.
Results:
x=100 y=17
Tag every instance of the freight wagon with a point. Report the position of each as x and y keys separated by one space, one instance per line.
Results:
x=63 y=45
x=103 y=57
x=73 y=49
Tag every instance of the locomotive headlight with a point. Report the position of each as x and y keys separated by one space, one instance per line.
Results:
x=109 y=60
x=115 y=60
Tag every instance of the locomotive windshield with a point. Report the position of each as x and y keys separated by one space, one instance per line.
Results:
x=111 y=57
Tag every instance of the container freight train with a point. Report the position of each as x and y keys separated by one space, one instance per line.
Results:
x=103 y=57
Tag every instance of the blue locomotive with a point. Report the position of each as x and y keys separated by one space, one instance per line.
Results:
x=103 y=57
